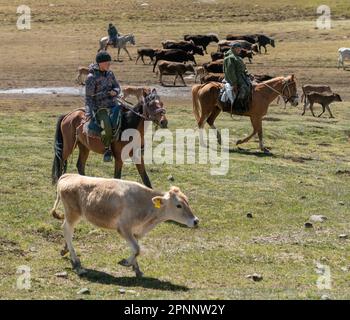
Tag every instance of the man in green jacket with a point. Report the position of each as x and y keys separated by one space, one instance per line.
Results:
x=236 y=74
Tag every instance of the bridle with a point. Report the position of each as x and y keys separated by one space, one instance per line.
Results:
x=286 y=84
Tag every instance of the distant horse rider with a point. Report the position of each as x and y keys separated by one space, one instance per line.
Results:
x=101 y=89
x=113 y=34
x=238 y=83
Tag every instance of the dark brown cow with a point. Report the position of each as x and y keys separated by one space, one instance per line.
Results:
x=174 y=55
x=202 y=40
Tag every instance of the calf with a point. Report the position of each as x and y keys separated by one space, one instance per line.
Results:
x=174 y=68
x=128 y=207
x=138 y=92
x=249 y=38
x=217 y=56
x=324 y=99
x=146 y=52
x=307 y=88
x=82 y=71
x=174 y=55
x=344 y=54
x=199 y=72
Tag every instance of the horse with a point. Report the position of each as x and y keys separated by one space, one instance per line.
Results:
x=121 y=44
x=69 y=135
x=206 y=100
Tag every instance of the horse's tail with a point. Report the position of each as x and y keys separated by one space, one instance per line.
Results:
x=195 y=101
x=59 y=165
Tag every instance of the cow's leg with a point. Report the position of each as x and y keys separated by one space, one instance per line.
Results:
x=135 y=248
x=161 y=78
x=143 y=174
x=68 y=230
x=323 y=110
x=138 y=57
x=305 y=106
x=255 y=124
x=312 y=108
x=83 y=155
x=329 y=111
x=182 y=78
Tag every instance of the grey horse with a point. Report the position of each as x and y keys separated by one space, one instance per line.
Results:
x=121 y=43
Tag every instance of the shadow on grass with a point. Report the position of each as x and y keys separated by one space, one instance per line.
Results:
x=145 y=282
x=250 y=152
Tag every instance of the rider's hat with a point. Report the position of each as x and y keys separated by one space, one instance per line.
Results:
x=103 y=56
x=236 y=45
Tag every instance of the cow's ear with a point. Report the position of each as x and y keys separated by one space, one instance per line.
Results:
x=158 y=202
x=292 y=77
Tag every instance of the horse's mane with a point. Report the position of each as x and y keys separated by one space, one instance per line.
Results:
x=131 y=120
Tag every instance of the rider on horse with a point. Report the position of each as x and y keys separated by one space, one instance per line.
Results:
x=236 y=75
x=113 y=34
x=101 y=89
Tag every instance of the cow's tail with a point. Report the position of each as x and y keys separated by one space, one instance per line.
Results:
x=303 y=95
x=195 y=101
x=55 y=214
x=59 y=165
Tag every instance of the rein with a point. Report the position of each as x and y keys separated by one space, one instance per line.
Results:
x=286 y=85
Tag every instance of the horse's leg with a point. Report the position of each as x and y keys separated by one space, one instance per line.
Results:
x=255 y=124
x=128 y=53
x=83 y=155
x=260 y=135
x=143 y=174
x=211 y=120
x=118 y=54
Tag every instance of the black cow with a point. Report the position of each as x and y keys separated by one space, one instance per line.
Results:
x=214 y=67
x=175 y=55
x=202 y=40
x=250 y=38
x=185 y=46
x=263 y=41
x=216 y=56
x=244 y=54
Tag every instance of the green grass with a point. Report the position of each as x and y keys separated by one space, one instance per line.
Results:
x=282 y=191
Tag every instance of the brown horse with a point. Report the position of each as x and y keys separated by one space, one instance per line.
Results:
x=206 y=101
x=69 y=134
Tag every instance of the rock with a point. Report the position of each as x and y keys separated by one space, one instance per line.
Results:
x=303 y=197
x=318 y=218
x=63 y=274
x=343 y=236
x=171 y=178
x=255 y=277
x=121 y=291
x=54 y=92
x=325 y=297
x=342 y=203
x=345 y=269
x=32 y=249
x=84 y=291
x=308 y=225
x=249 y=215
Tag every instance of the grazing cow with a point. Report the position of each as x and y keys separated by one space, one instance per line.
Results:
x=128 y=207
x=250 y=38
x=202 y=40
x=146 y=52
x=199 y=72
x=214 y=67
x=344 y=54
x=187 y=46
x=324 y=99
x=210 y=77
x=307 y=88
x=82 y=71
x=174 y=68
x=174 y=55
x=138 y=92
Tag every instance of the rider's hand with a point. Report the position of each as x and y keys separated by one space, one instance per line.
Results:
x=235 y=89
x=112 y=93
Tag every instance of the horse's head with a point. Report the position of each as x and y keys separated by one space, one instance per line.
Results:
x=132 y=39
x=153 y=108
x=289 y=91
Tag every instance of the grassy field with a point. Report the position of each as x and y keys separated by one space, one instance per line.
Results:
x=308 y=173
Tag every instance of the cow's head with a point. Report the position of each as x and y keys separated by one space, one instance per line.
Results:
x=337 y=97
x=175 y=207
x=272 y=42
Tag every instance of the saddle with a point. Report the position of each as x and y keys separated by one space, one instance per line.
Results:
x=241 y=103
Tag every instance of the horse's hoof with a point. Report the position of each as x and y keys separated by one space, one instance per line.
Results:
x=238 y=142
x=64 y=252
x=139 y=274
x=266 y=151
x=124 y=263
x=81 y=272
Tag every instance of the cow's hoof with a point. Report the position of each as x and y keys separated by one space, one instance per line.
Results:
x=139 y=274
x=81 y=271
x=266 y=151
x=124 y=263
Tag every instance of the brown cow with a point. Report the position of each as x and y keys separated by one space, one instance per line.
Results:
x=138 y=92
x=174 y=68
x=128 y=207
